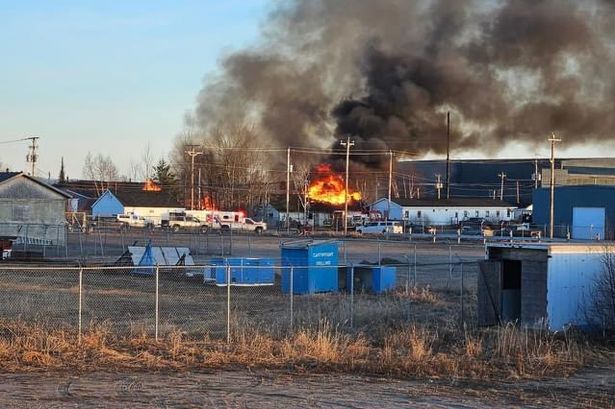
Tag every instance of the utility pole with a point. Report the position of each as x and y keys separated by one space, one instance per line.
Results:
x=348 y=144
x=32 y=156
x=438 y=184
x=553 y=140
x=305 y=201
x=518 y=194
x=193 y=154
x=448 y=154
x=288 y=170
x=535 y=173
x=390 y=182
x=502 y=176
x=199 y=193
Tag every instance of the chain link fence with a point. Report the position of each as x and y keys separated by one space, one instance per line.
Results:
x=224 y=301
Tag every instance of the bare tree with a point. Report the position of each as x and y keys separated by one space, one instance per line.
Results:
x=101 y=169
x=603 y=306
x=300 y=177
x=147 y=162
x=133 y=170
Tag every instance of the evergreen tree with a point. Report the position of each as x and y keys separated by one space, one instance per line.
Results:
x=62 y=176
x=164 y=176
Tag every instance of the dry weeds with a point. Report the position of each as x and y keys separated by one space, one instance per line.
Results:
x=411 y=351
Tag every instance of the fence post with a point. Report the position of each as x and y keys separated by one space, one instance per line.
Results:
x=228 y=303
x=415 y=265
x=157 y=304
x=450 y=265
x=292 y=291
x=351 y=295
x=462 y=304
x=408 y=276
x=80 y=303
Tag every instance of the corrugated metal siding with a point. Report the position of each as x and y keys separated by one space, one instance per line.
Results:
x=569 y=284
x=588 y=222
x=383 y=207
x=107 y=206
x=568 y=197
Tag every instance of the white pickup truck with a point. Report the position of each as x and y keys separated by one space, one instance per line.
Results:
x=128 y=221
x=182 y=221
x=246 y=225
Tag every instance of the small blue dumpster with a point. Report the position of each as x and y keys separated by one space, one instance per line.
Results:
x=314 y=265
x=247 y=271
x=373 y=279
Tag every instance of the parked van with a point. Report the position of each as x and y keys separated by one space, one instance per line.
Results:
x=381 y=227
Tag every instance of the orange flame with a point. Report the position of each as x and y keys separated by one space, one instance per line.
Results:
x=329 y=187
x=151 y=186
x=207 y=203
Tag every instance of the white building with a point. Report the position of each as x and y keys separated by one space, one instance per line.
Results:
x=149 y=204
x=444 y=211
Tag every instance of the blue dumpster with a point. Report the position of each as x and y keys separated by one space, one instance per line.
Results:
x=314 y=265
x=246 y=271
x=373 y=279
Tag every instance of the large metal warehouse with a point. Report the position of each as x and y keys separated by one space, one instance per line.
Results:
x=585 y=212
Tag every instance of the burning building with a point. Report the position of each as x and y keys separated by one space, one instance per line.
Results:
x=328 y=186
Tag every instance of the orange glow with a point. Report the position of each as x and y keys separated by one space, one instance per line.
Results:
x=207 y=203
x=151 y=186
x=328 y=187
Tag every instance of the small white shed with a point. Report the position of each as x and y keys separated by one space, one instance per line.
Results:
x=539 y=284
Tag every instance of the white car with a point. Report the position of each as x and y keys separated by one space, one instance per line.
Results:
x=381 y=227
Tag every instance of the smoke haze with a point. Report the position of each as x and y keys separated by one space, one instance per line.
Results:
x=386 y=72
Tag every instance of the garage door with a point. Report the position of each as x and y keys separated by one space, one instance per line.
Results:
x=588 y=222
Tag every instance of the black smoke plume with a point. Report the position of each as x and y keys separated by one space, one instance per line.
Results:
x=386 y=72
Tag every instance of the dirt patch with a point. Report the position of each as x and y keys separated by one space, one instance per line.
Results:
x=593 y=387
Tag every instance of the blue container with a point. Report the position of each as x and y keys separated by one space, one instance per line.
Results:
x=374 y=279
x=315 y=266
x=244 y=271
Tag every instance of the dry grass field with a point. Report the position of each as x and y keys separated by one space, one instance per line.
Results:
x=414 y=332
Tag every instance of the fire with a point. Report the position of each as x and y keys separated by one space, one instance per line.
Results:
x=151 y=186
x=207 y=203
x=329 y=187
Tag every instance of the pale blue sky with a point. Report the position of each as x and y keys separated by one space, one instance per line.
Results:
x=109 y=76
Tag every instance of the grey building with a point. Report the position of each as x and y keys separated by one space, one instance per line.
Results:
x=31 y=210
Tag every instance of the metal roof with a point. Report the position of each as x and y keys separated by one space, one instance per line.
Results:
x=558 y=247
x=4 y=176
x=144 y=198
x=453 y=202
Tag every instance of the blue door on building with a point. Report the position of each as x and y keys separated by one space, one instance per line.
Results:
x=588 y=223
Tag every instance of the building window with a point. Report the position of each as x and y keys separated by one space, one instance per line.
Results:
x=407 y=214
x=465 y=213
x=477 y=213
x=497 y=213
x=456 y=215
x=507 y=212
x=419 y=214
x=486 y=213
